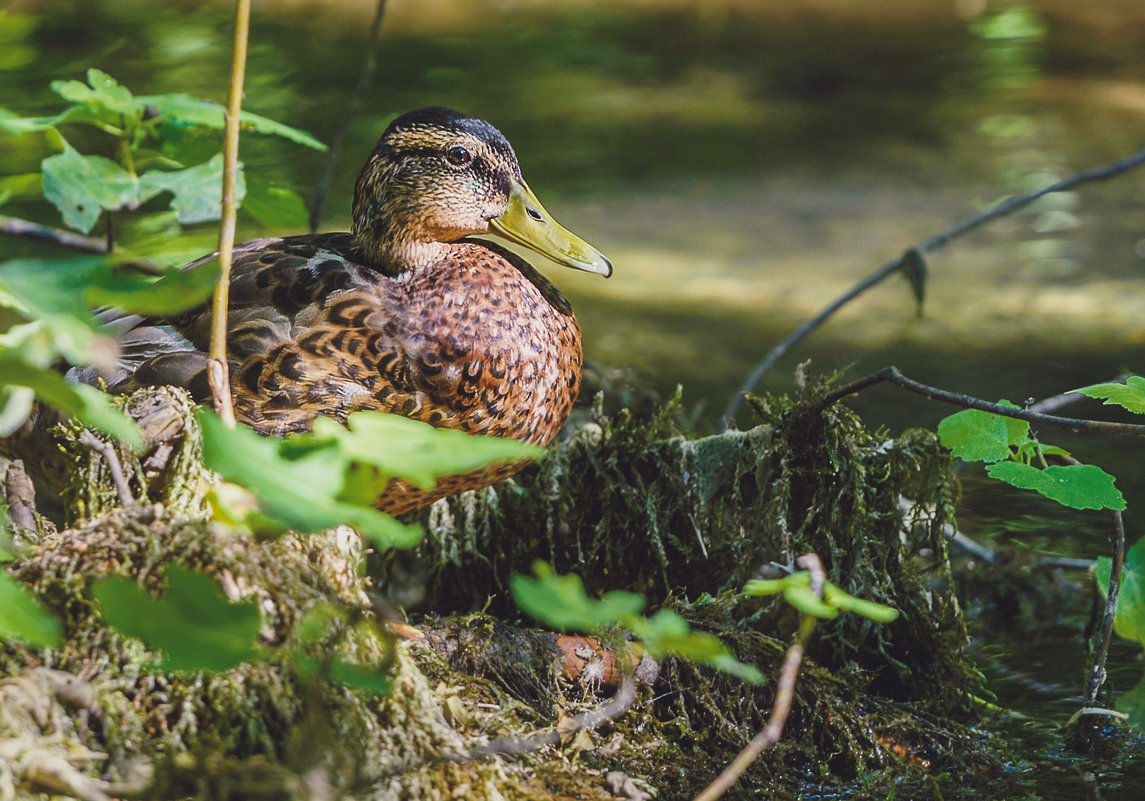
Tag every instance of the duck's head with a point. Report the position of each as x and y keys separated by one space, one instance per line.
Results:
x=436 y=176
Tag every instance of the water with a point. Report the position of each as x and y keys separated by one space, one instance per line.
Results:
x=742 y=164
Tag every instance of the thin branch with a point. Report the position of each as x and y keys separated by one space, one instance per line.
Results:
x=893 y=376
x=516 y=746
x=360 y=90
x=111 y=458
x=218 y=373
x=592 y=719
x=784 y=695
x=1105 y=633
x=936 y=242
x=14 y=226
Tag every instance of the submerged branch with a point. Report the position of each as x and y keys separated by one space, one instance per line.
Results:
x=930 y=245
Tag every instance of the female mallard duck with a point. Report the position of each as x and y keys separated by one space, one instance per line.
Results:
x=405 y=314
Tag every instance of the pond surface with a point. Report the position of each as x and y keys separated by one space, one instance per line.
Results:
x=742 y=164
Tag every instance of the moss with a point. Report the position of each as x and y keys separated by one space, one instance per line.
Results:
x=631 y=503
x=626 y=501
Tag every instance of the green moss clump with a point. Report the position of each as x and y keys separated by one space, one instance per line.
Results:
x=631 y=503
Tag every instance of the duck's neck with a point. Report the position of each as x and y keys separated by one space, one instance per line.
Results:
x=398 y=256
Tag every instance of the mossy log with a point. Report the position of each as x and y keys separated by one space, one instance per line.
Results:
x=626 y=501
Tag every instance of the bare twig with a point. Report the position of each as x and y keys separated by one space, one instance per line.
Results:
x=14 y=226
x=593 y=718
x=355 y=104
x=893 y=376
x=111 y=458
x=218 y=373
x=784 y=695
x=936 y=242
x=553 y=737
x=1105 y=633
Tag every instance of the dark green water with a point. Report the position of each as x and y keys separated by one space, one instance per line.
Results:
x=742 y=164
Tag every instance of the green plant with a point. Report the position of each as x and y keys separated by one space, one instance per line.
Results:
x=796 y=590
x=311 y=482
x=162 y=143
x=1013 y=456
x=561 y=602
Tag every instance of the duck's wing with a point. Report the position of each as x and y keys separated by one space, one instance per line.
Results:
x=274 y=283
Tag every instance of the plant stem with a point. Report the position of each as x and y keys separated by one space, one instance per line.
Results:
x=217 y=370
x=784 y=695
x=1105 y=633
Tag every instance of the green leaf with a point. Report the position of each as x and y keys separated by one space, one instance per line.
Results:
x=51 y=288
x=42 y=341
x=416 y=451
x=274 y=206
x=175 y=292
x=197 y=191
x=1130 y=395
x=1130 y=620
x=16 y=404
x=367 y=679
x=14 y=124
x=297 y=481
x=81 y=187
x=193 y=625
x=845 y=602
x=87 y=404
x=756 y=587
x=1081 y=486
x=561 y=602
x=24 y=618
x=1017 y=431
x=109 y=93
x=1132 y=703
x=668 y=634
x=807 y=602
x=184 y=109
x=833 y=597
x=21 y=186
x=976 y=436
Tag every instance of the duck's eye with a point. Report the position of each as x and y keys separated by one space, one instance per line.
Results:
x=458 y=156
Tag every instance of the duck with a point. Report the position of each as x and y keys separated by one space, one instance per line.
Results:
x=408 y=313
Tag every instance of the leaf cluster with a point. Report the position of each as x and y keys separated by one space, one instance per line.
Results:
x=796 y=590
x=1014 y=456
x=164 y=143
x=561 y=602
x=315 y=481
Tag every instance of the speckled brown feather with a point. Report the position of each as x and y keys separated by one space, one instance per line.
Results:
x=394 y=317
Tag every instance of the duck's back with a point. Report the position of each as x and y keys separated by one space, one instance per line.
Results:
x=480 y=342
